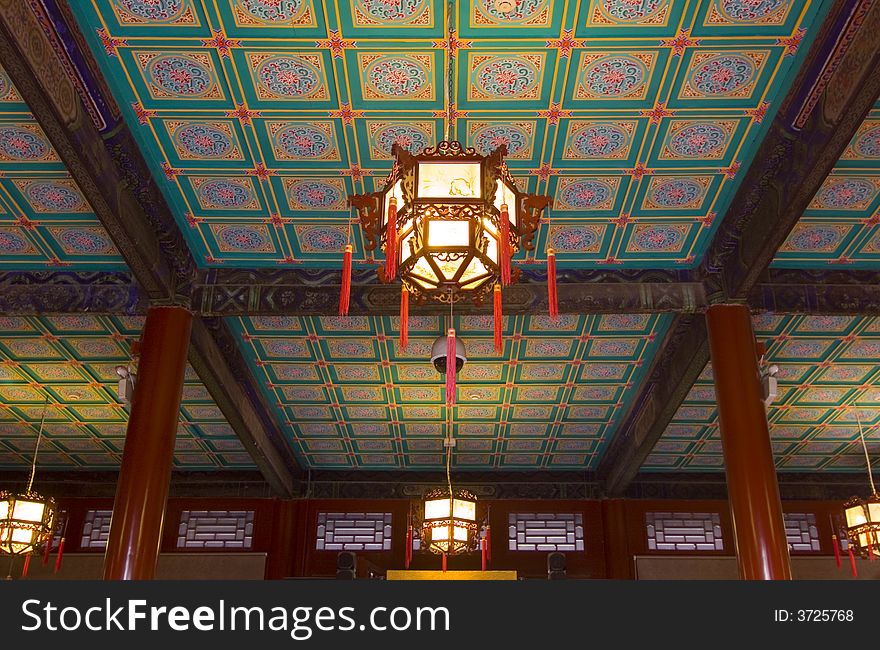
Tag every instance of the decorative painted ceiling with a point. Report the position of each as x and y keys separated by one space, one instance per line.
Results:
x=44 y=219
x=258 y=117
x=349 y=397
x=829 y=374
x=72 y=360
x=840 y=225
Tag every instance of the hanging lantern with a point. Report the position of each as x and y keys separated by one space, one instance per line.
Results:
x=449 y=525
x=449 y=220
x=27 y=520
x=863 y=525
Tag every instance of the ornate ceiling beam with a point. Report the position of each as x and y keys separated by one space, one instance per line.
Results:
x=52 y=69
x=842 y=292
x=836 y=87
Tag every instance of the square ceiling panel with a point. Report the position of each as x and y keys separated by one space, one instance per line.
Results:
x=259 y=117
x=44 y=219
x=829 y=379
x=347 y=395
x=66 y=366
x=840 y=226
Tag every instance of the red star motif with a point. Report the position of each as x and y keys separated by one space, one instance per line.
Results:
x=222 y=43
x=25 y=223
x=110 y=44
x=346 y=114
x=544 y=172
x=565 y=44
x=757 y=114
x=288 y=260
x=657 y=113
x=452 y=44
x=261 y=172
x=638 y=171
x=57 y=262
x=680 y=42
x=554 y=113
x=621 y=221
x=685 y=260
x=355 y=172
x=730 y=172
x=843 y=259
x=611 y=260
x=210 y=259
x=872 y=221
x=336 y=44
x=169 y=171
x=193 y=221
x=793 y=42
x=243 y=114
x=142 y=113
x=707 y=220
x=452 y=114
x=277 y=220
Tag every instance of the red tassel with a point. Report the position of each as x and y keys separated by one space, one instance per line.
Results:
x=27 y=564
x=444 y=563
x=391 y=241
x=345 y=291
x=836 y=550
x=404 y=318
x=852 y=562
x=483 y=553
x=59 y=556
x=450 y=367
x=498 y=318
x=488 y=535
x=551 y=284
x=46 y=551
x=504 y=253
x=409 y=543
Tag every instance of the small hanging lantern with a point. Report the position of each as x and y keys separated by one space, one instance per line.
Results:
x=449 y=524
x=27 y=520
x=863 y=525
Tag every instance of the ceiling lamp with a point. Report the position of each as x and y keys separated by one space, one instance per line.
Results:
x=863 y=515
x=449 y=522
x=449 y=220
x=27 y=518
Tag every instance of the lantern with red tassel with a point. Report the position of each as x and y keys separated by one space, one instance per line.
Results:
x=404 y=318
x=504 y=253
x=345 y=290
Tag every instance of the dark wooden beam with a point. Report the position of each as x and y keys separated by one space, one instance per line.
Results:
x=64 y=292
x=54 y=72
x=842 y=292
x=836 y=87
x=238 y=292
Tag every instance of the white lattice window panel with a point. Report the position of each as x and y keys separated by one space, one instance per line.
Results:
x=228 y=529
x=545 y=531
x=96 y=529
x=684 y=531
x=801 y=532
x=354 y=531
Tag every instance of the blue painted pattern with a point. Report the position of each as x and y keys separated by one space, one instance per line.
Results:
x=676 y=193
x=586 y=194
x=698 y=140
x=289 y=76
x=223 y=193
x=491 y=137
x=181 y=76
x=22 y=144
x=599 y=141
x=302 y=141
x=203 y=141
x=315 y=194
x=410 y=138
x=396 y=76
x=273 y=11
x=615 y=76
x=723 y=74
x=506 y=76
x=53 y=197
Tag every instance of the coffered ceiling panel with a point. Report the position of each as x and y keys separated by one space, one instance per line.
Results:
x=829 y=379
x=66 y=365
x=348 y=396
x=258 y=117
x=44 y=219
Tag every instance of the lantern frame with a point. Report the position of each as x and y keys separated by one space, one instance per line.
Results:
x=451 y=545
x=863 y=531
x=41 y=529
x=444 y=272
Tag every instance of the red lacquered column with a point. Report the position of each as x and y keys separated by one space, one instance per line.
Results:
x=753 y=492
x=145 y=475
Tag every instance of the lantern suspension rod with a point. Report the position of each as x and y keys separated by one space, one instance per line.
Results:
x=37 y=446
x=867 y=457
x=450 y=61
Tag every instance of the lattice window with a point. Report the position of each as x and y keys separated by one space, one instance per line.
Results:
x=96 y=529
x=354 y=531
x=801 y=532
x=684 y=531
x=545 y=531
x=216 y=529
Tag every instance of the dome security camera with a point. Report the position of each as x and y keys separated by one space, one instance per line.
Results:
x=438 y=354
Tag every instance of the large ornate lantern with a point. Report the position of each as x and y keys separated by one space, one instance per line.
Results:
x=27 y=520
x=449 y=221
x=449 y=522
